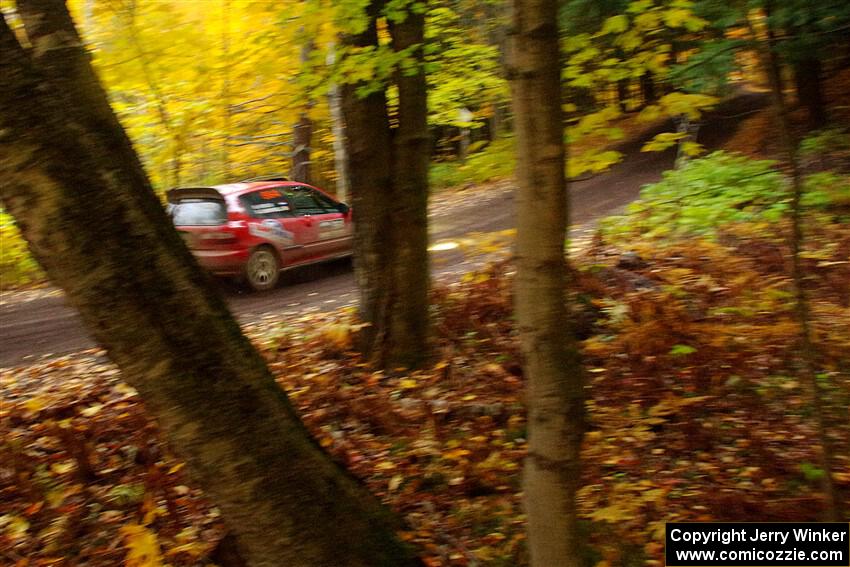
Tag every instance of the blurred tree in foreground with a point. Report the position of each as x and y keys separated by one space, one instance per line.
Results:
x=65 y=160
x=555 y=397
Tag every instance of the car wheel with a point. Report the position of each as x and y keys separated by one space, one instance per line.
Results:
x=262 y=269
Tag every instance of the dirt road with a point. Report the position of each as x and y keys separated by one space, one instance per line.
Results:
x=38 y=325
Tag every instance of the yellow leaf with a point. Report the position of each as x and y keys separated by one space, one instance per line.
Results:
x=339 y=334
x=176 y=468
x=650 y=113
x=14 y=526
x=614 y=514
x=662 y=141
x=409 y=383
x=194 y=549
x=615 y=24
x=593 y=436
x=630 y=40
x=676 y=17
x=62 y=468
x=493 y=368
x=669 y=406
x=654 y=495
x=36 y=404
x=647 y=21
x=124 y=389
x=92 y=410
x=142 y=547
x=639 y=6
x=455 y=454
x=150 y=509
x=691 y=149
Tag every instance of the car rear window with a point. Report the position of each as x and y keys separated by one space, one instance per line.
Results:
x=199 y=212
x=267 y=204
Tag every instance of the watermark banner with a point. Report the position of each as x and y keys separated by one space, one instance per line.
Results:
x=698 y=544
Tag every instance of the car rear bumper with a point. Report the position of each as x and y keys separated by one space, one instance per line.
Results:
x=222 y=262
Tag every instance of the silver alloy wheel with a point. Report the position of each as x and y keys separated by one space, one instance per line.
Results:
x=262 y=269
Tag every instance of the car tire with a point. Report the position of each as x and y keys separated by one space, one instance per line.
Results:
x=262 y=269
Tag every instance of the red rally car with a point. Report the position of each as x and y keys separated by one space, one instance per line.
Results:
x=255 y=229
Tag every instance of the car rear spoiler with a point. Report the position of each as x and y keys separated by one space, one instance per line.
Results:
x=174 y=195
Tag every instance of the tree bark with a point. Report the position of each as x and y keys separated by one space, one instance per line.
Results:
x=551 y=361
x=623 y=94
x=227 y=110
x=64 y=162
x=388 y=175
x=409 y=318
x=338 y=131
x=647 y=89
x=808 y=351
x=301 y=140
x=303 y=131
x=370 y=168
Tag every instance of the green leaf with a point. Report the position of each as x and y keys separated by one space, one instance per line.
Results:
x=639 y=6
x=650 y=113
x=811 y=472
x=682 y=350
x=615 y=24
x=676 y=17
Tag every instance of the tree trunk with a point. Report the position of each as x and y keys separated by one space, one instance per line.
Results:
x=623 y=94
x=303 y=131
x=808 y=353
x=647 y=89
x=389 y=196
x=227 y=110
x=370 y=154
x=65 y=161
x=338 y=131
x=583 y=98
x=301 y=139
x=409 y=321
x=809 y=85
x=497 y=121
x=551 y=360
x=496 y=20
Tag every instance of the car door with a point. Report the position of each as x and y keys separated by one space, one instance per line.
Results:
x=335 y=230
x=272 y=220
x=324 y=224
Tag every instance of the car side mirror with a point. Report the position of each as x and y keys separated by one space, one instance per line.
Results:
x=343 y=208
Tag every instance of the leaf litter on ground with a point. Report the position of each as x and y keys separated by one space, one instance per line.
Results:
x=695 y=413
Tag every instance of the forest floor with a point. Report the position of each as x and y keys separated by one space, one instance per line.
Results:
x=695 y=413
x=694 y=409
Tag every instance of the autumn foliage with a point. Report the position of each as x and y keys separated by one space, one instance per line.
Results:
x=695 y=414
